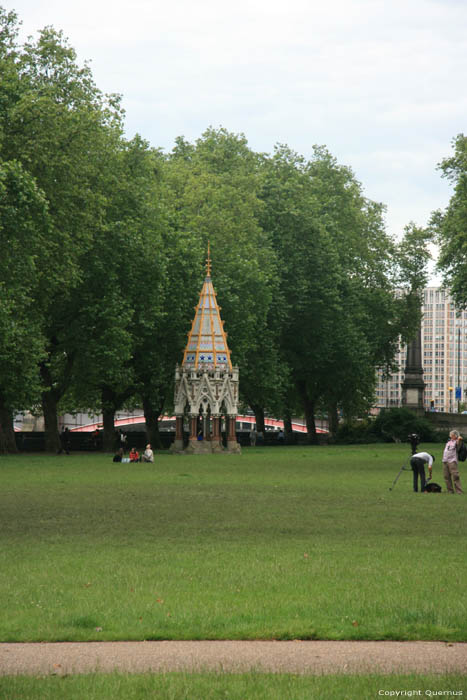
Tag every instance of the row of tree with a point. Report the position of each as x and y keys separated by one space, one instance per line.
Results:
x=103 y=245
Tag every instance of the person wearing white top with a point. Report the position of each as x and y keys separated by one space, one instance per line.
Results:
x=417 y=462
x=148 y=454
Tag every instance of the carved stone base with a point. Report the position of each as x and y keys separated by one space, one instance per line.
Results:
x=199 y=447
x=203 y=447
x=216 y=446
x=233 y=447
x=176 y=447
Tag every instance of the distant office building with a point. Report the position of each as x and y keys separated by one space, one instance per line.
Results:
x=444 y=356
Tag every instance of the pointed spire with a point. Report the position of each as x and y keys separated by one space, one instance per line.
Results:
x=208 y=262
x=207 y=341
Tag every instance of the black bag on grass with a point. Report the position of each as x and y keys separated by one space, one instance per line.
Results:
x=431 y=487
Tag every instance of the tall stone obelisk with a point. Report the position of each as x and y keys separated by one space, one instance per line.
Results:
x=413 y=386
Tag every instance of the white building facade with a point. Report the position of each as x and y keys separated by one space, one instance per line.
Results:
x=444 y=357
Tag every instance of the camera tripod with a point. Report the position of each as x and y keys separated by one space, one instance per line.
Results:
x=407 y=468
x=404 y=468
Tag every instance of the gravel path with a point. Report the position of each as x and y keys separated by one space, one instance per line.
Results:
x=285 y=657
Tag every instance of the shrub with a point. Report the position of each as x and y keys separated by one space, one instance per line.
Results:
x=356 y=432
x=396 y=424
x=391 y=425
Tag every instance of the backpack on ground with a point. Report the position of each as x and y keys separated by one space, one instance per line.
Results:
x=431 y=487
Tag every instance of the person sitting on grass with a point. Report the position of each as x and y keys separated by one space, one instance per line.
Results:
x=148 y=455
x=134 y=455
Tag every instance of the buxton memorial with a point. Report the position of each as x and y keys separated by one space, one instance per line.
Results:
x=206 y=383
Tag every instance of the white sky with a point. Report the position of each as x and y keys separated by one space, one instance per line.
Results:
x=381 y=83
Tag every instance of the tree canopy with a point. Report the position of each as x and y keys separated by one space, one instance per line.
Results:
x=450 y=226
x=105 y=240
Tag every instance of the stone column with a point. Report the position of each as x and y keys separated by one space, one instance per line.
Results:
x=206 y=427
x=216 y=438
x=193 y=427
x=232 y=444
x=178 y=443
x=192 y=440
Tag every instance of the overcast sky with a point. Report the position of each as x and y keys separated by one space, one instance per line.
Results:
x=381 y=83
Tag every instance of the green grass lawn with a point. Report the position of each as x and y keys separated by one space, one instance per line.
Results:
x=277 y=543
x=211 y=686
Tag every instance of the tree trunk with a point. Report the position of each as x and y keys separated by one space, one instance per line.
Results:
x=259 y=417
x=50 y=398
x=111 y=403
x=151 y=416
x=50 y=411
x=289 y=436
x=109 y=406
x=333 y=417
x=7 y=431
x=309 y=409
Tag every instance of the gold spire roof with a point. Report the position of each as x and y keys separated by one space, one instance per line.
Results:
x=207 y=342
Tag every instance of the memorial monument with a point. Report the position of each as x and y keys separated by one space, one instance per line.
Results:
x=206 y=383
x=413 y=386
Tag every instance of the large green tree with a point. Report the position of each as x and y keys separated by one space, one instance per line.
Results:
x=342 y=311
x=24 y=282
x=122 y=290
x=64 y=132
x=450 y=225
x=29 y=250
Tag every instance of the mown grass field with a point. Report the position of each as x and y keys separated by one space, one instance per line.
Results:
x=278 y=543
x=211 y=686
